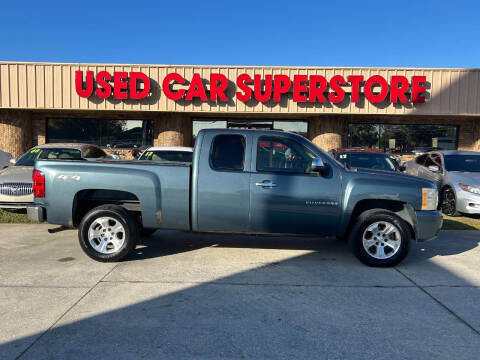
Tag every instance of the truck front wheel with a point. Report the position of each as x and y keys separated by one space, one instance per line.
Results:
x=380 y=238
x=108 y=233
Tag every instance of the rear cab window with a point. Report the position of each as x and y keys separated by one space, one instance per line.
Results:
x=228 y=152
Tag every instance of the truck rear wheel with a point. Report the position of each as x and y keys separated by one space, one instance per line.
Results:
x=380 y=238
x=108 y=233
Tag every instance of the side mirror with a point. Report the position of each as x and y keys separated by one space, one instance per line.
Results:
x=318 y=165
x=12 y=161
x=434 y=168
x=402 y=168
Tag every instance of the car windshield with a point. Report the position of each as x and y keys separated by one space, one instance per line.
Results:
x=167 y=155
x=366 y=160
x=467 y=163
x=28 y=159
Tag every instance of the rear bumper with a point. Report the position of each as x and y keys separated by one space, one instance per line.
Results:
x=14 y=205
x=36 y=213
x=429 y=224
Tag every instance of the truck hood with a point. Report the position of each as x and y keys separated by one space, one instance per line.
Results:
x=467 y=178
x=394 y=176
x=16 y=174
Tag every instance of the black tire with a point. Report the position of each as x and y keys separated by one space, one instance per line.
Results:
x=449 y=202
x=130 y=226
x=370 y=217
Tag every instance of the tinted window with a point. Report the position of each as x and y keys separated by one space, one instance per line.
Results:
x=228 y=152
x=403 y=139
x=47 y=154
x=93 y=152
x=117 y=133
x=468 y=163
x=421 y=159
x=368 y=161
x=165 y=155
x=282 y=154
x=433 y=160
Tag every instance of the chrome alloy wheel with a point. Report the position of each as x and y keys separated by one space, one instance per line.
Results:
x=381 y=240
x=106 y=235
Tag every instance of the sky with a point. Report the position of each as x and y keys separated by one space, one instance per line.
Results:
x=406 y=33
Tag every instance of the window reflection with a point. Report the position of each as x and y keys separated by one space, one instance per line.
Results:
x=403 y=139
x=117 y=133
x=297 y=127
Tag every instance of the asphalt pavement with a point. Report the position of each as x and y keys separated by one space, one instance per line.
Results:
x=200 y=296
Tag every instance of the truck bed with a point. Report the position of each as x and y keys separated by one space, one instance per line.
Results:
x=161 y=189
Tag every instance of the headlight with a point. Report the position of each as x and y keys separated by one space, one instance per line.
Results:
x=429 y=199
x=472 y=189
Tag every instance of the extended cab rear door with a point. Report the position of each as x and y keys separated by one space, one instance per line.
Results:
x=285 y=196
x=223 y=183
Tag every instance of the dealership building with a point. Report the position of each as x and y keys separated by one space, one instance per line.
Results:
x=398 y=110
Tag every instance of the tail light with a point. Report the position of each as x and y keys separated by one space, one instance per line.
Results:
x=38 y=184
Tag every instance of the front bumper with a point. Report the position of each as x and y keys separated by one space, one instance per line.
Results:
x=36 y=213
x=429 y=224
x=468 y=202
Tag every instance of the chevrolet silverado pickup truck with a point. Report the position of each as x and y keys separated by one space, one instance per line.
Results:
x=240 y=181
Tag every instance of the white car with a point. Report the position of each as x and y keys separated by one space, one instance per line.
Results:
x=168 y=154
x=457 y=175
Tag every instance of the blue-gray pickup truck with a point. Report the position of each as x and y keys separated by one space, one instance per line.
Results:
x=240 y=181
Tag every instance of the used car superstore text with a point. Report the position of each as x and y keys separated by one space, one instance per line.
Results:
x=312 y=88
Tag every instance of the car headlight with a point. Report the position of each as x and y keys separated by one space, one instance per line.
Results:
x=429 y=199
x=472 y=189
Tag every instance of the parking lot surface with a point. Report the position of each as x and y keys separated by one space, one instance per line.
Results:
x=187 y=296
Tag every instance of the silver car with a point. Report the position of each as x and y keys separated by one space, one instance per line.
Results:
x=457 y=175
x=16 y=180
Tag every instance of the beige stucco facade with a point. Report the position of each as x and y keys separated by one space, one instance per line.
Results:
x=32 y=92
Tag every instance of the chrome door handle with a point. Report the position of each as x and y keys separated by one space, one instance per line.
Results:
x=266 y=184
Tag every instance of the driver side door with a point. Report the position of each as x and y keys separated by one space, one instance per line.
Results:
x=285 y=196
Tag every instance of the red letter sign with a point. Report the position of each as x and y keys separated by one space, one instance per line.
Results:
x=417 y=89
x=119 y=84
x=315 y=92
x=398 y=93
x=299 y=88
x=134 y=76
x=355 y=80
x=257 y=90
x=376 y=79
x=105 y=90
x=196 y=89
x=242 y=81
x=216 y=89
x=281 y=85
x=338 y=95
x=172 y=95
x=79 y=83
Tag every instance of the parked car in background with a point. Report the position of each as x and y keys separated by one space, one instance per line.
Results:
x=368 y=159
x=4 y=159
x=457 y=175
x=168 y=153
x=16 y=180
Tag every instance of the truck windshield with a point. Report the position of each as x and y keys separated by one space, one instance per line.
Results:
x=466 y=163
x=28 y=159
x=162 y=155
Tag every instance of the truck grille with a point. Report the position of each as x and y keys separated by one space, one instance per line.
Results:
x=16 y=189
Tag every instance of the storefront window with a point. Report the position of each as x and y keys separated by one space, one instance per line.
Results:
x=297 y=127
x=403 y=139
x=116 y=133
